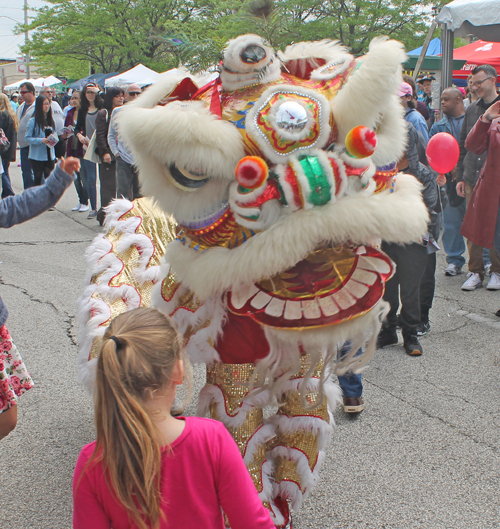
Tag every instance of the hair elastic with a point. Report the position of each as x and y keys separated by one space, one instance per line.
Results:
x=115 y=339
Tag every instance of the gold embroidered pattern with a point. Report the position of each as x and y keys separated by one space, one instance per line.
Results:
x=286 y=470
x=306 y=442
x=233 y=380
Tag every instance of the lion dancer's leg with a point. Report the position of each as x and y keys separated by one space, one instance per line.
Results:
x=227 y=398
x=303 y=430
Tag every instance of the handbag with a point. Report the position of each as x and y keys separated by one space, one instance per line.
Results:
x=4 y=142
x=90 y=154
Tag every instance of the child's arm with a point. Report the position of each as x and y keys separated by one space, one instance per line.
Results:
x=87 y=511
x=35 y=200
x=237 y=493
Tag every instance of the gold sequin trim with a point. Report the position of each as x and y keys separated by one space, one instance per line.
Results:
x=305 y=442
x=233 y=380
x=292 y=405
x=286 y=470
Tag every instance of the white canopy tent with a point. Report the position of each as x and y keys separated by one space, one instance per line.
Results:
x=51 y=80
x=140 y=74
x=14 y=86
x=464 y=17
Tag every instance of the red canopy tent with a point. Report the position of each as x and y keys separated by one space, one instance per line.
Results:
x=477 y=53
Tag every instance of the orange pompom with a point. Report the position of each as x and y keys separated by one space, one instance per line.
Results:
x=360 y=142
x=251 y=172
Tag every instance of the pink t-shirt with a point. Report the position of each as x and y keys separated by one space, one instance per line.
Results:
x=202 y=474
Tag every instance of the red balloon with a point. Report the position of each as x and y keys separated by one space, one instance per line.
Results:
x=442 y=152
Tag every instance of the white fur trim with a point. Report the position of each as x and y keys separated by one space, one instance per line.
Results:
x=189 y=135
x=267 y=481
x=298 y=58
x=397 y=217
x=340 y=189
x=356 y=105
x=102 y=260
x=309 y=479
x=253 y=130
x=236 y=74
x=263 y=434
x=199 y=346
x=235 y=197
x=290 y=425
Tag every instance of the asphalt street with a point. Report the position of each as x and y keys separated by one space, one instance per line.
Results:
x=425 y=453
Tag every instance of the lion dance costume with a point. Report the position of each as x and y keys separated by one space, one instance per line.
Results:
x=272 y=187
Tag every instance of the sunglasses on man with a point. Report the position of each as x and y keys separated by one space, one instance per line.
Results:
x=133 y=93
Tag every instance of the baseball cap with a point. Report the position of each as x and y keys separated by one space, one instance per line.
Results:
x=405 y=90
x=426 y=78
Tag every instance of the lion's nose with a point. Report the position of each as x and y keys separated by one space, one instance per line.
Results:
x=252 y=54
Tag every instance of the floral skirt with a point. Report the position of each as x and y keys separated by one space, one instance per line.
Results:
x=14 y=377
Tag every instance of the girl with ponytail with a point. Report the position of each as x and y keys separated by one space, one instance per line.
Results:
x=148 y=469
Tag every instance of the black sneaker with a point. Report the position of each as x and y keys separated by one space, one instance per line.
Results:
x=387 y=336
x=423 y=329
x=411 y=344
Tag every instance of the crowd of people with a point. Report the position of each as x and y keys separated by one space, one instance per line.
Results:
x=452 y=201
x=84 y=128
x=463 y=206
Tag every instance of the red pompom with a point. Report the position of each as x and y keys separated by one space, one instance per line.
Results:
x=251 y=172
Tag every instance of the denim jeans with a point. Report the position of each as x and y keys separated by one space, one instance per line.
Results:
x=496 y=242
x=88 y=173
x=28 y=177
x=7 y=190
x=453 y=242
x=127 y=180
x=350 y=383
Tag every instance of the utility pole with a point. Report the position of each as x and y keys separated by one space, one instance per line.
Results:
x=26 y=57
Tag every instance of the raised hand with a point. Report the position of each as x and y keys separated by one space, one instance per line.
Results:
x=70 y=165
x=493 y=112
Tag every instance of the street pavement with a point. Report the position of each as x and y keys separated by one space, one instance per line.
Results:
x=423 y=454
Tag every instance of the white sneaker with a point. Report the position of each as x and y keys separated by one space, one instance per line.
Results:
x=473 y=282
x=83 y=207
x=452 y=270
x=494 y=282
x=77 y=208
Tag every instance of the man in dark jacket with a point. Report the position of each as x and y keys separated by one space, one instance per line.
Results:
x=411 y=262
x=469 y=165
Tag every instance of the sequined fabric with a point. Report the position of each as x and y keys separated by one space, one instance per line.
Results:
x=160 y=230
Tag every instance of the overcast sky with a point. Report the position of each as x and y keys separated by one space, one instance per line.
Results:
x=12 y=9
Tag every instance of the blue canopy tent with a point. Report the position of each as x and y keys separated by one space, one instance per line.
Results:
x=433 y=49
x=97 y=78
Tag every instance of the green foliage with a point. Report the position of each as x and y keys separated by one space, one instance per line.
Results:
x=114 y=35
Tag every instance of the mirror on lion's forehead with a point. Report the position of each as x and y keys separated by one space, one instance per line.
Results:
x=291 y=116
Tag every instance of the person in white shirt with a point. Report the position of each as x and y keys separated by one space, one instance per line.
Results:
x=24 y=114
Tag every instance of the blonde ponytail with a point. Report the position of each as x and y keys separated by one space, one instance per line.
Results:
x=139 y=351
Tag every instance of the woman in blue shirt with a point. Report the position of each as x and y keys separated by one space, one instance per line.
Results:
x=39 y=128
